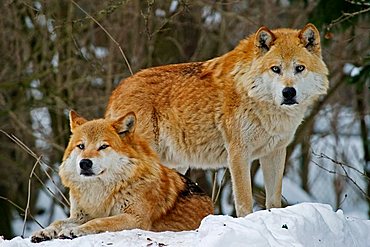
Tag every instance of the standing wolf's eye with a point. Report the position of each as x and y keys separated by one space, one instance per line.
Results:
x=299 y=68
x=81 y=146
x=104 y=146
x=275 y=69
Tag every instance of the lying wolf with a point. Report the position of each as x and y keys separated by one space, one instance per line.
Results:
x=230 y=110
x=116 y=182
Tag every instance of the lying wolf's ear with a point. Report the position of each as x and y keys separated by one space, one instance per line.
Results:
x=310 y=38
x=75 y=120
x=264 y=39
x=126 y=124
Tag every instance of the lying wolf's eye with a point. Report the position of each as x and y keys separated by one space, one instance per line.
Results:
x=104 y=146
x=299 y=68
x=275 y=69
x=81 y=146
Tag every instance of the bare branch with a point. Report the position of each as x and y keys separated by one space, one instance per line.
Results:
x=346 y=16
x=109 y=35
x=29 y=195
x=214 y=186
x=220 y=186
x=361 y=3
x=346 y=175
x=21 y=209
x=321 y=155
x=52 y=193
x=30 y=152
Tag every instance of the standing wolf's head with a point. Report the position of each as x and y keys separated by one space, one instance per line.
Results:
x=286 y=68
x=101 y=150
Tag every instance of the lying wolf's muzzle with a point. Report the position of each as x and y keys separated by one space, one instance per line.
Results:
x=289 y=94
x=86 y=165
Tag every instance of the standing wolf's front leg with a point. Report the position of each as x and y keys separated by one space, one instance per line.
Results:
x=54 y=229
x=238 y=163
x=113 y=223
x=273 y=170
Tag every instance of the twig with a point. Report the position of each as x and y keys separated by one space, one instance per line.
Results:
x=362 y=3
x=353 y=181
x=346 y=16
x=20 y=208
x=57 y=188
x=342 y=201
x=146 y=18
x=31 y=7
x=325 y=169
x=221 y=185
x=41 y=162
x=214 y=186
x=52 y=193
x=346 y=176
x=107 y=33
x=111 y=7
x=29 y=195
x=322 y=155
x=30 y=152
x=20 y=143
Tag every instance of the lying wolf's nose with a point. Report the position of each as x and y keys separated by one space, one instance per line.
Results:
x=289 y=93
x=86 y=164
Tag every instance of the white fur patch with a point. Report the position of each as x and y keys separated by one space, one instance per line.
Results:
x=109 y=167
x=268 y=87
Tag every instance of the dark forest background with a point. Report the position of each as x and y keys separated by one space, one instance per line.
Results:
x=59 y=55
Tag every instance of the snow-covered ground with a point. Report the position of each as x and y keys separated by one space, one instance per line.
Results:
x=305 y=224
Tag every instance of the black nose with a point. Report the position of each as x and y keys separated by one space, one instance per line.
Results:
x=289 y=93
x=86 y=164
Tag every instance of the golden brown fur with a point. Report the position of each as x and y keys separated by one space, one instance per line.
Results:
x=230 y=110
x=125 y=187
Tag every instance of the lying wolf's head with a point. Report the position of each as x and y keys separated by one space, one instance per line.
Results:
x=102 y=150
x=286 y=67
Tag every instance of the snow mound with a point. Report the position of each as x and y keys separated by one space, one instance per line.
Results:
x=305 y=224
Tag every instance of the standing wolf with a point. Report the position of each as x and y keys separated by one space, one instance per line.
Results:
x=230 y=110
x=116 y=183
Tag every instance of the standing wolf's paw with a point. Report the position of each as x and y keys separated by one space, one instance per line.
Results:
x=43 y=235
x=71 y=233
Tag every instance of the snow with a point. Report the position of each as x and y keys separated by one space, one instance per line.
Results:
x=160 y=13
x=305 y=224
x=211 y=16
x=352 y=70
x=174 y=5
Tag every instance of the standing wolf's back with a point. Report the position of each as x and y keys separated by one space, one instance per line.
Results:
x=178 y=110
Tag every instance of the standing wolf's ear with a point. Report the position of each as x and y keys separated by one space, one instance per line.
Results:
x=264 y=39
x=126 y=124
x=310 y=38
x=75 y=120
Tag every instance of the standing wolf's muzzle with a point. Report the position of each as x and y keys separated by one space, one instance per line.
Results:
x=86 y=167
x=289 y=94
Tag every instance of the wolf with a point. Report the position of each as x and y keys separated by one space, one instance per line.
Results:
x=116 y=182
x=230 y=110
